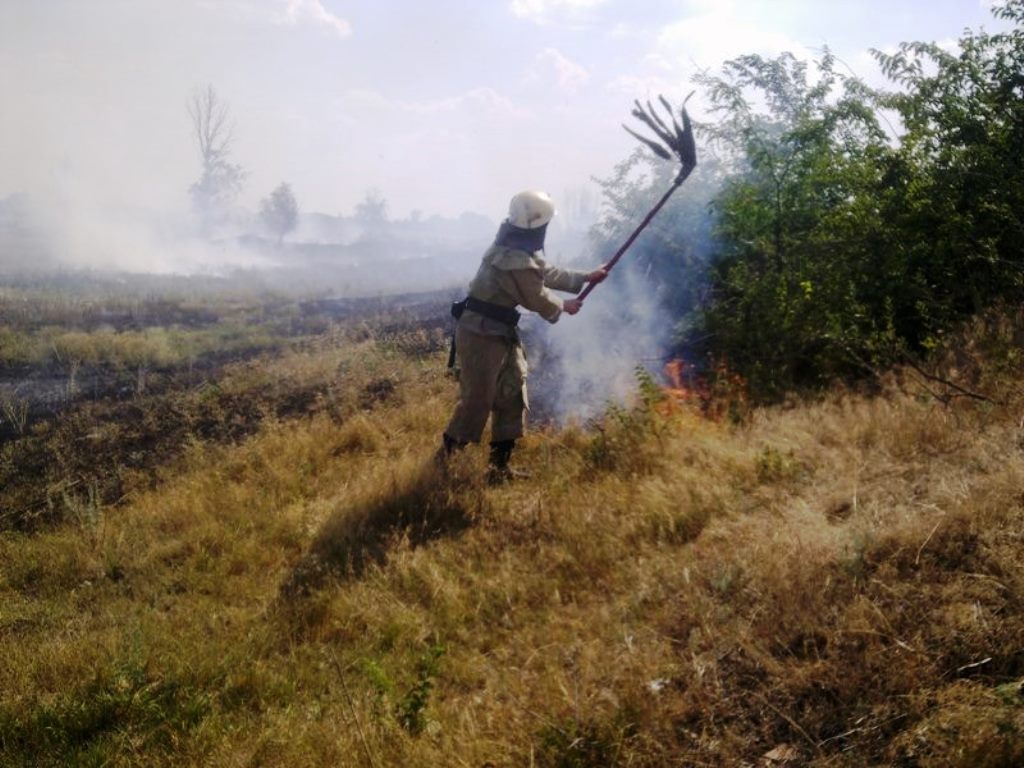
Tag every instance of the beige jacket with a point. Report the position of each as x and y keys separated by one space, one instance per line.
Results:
x=510 y=277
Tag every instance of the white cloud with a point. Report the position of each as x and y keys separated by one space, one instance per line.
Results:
x=658 y=61
x=314 y=11
x=569 y=75
x=640 y=87
x=479 y=101
x=545 y=11
x=289 y=13
x=707 y=6
x=621 y=30
x=708 y=39
x=713 y=33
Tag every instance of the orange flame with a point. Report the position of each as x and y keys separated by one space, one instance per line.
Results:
x=726 y=396
x=678 y=390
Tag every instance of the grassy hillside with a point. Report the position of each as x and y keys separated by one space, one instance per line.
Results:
x=836 y=583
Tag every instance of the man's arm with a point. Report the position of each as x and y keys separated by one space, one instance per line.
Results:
x=528 y=289
x=568 y=280
x=571 y=280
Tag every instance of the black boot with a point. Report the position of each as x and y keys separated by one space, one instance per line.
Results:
x=498 y=470
x=450 y=445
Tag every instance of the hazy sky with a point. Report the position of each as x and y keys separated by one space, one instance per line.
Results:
x=443 y=106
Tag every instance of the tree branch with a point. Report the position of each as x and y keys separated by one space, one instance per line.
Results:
x=961 y=391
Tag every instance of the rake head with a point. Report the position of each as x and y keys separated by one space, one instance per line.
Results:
x=674 y=140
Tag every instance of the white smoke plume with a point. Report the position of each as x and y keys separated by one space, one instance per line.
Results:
x=592 y=357
x=587 y=361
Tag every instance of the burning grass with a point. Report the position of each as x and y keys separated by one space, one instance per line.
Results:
x=833 y=584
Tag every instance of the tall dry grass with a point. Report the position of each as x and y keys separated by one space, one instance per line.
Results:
x=833 y=584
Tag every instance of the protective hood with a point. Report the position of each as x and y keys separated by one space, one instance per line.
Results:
x=529 y=240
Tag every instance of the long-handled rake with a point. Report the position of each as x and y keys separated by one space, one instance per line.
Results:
x=678 y=142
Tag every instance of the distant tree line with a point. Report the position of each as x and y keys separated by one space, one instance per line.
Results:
x=215 y=193
x=841 y=241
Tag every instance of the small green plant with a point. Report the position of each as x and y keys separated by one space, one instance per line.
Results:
x=411 y=709
x=650 y=392
x=381 y=683
x=774 y=466
x=624 y=438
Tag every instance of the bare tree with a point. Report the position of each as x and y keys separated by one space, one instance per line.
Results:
x=220 y=181
x=372 y=213
x=279 y=213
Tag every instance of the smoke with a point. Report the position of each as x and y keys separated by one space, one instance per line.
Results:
x=77 y=229
x=590 y=359
x=636 y=318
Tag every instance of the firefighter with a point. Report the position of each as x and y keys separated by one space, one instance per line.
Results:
x=491 y=359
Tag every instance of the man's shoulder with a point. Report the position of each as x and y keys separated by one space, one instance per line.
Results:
x=504 y=258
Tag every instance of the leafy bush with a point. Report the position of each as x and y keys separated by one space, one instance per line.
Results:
x=834 y=249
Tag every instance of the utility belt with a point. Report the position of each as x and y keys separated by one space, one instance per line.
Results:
x=507 y=315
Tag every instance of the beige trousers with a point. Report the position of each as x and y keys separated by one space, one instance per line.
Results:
x=492 y=382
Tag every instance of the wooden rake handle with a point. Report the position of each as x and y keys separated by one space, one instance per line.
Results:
x=636 y=232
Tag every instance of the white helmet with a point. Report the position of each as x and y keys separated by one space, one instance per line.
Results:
x=530 y=210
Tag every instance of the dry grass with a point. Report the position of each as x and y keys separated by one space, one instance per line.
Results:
x=836 y=584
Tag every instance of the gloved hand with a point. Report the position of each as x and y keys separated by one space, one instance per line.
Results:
x=598 y=275
x=571 y=306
